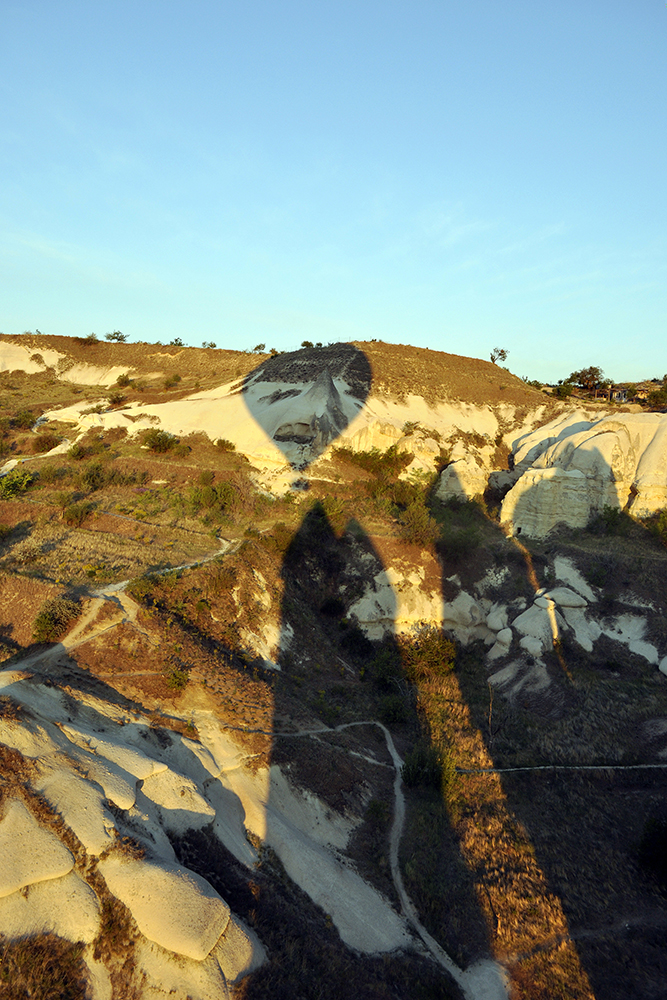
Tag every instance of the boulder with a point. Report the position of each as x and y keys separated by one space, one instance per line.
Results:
x=80 y=804
x=532 y=645
x=182 y=807
x=537 y=622
x=566 y=598
x=585 y=632
x=239 y=951
x=28 y=852
x=172 y=906
x=462 y=480
x=65 y=906
x=496 y=620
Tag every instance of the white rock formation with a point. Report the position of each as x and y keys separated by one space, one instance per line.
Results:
x=172 y=906
x=65 y=906
x=462 y=480
x=28 y=852
x=576 y=467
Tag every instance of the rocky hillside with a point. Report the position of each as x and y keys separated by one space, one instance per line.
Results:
x=326 y=674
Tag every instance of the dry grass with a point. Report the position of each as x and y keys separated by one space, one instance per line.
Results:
x=46 y=968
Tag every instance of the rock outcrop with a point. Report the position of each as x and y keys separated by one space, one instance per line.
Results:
x=574 y=467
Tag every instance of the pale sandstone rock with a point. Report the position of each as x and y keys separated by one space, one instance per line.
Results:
x=28 y=852
x=182 y=807
x=585 y=632
x=532 y=645
x=543 y=498
x=462 y=480
x=165 y=975
x=502 y=644
x=239 y=951
x=134 y=762
x=504 y=637
x=567 y=572
x=98 y=986
x=119 y=786
x=172 y=906
x=618 y=461
x=630 y=629
x=566 y=598
x=496 y=620
x=80 y=804
x=31 y=740
x=542 y=623
x=65 y=906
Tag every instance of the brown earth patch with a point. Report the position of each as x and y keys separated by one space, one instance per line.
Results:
x=20 y=600
x=401 y=370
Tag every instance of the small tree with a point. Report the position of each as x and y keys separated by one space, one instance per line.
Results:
x=117 y=337
x=564 y=389
x=209 y=343
x=591 y=379
x=498 y=354
x=176 y=342
x=307 y=343
x=259 y=348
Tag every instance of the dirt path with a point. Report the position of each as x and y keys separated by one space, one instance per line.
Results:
x=483 y=981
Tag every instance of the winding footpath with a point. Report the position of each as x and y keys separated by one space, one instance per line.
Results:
x=485 y=980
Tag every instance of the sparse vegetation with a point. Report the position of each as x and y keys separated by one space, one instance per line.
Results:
x=159 y=441
x=15 y=482
x=54 y=618
x=45 y=967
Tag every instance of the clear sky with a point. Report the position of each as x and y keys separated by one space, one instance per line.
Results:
x=455 y=174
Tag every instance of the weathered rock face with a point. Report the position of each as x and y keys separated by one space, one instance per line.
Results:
x=574 y=468
x=463 y=480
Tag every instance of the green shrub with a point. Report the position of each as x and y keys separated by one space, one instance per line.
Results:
x=222 y=444
x=171 y=381
x=423 y=766
x=53 y=619
x=50 y=473
x=75 y=514
x=77 y=452
x=123 y=381
x=610 y=521
x=385 y=667
x=390 y=462
x=432 y=767
x=5 y=531
x=426 y=653
x=206 y=477
x=159 y=441
x=45 y=442
x=417 y=525
x=116 y=398
x=177 y=679
x=14 y=483
x=23 y=420
x=93 y=477
x=657 y=525
x=456 y=544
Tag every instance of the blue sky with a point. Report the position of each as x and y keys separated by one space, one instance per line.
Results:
x=455 y=175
